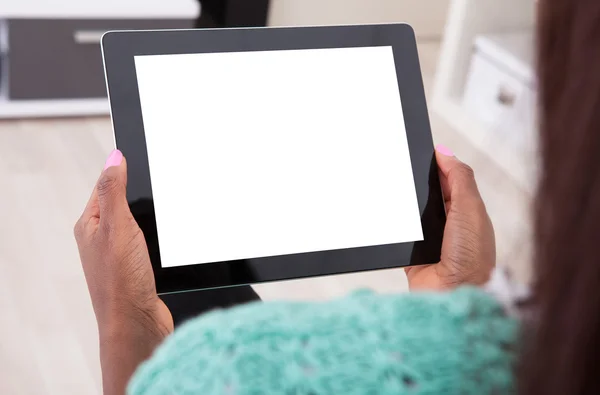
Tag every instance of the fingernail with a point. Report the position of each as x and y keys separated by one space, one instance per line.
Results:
x=114 y=159
x=442 y=149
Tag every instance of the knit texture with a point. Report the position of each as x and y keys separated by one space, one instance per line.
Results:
x=460 y=342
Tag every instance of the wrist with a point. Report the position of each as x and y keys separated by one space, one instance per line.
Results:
x=129 y=331
x=120 y=323
x=125 y=343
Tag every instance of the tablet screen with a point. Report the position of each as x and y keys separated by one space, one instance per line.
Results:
x=257 y=154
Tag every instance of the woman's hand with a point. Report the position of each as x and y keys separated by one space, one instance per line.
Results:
x=469 y=246
x=132 y=320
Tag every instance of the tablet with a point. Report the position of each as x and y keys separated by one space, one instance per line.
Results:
x=266 y=154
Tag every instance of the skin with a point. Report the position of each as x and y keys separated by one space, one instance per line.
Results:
x=469 y=245
x=133 y=321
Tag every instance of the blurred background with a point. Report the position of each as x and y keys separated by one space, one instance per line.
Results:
x=55 y=133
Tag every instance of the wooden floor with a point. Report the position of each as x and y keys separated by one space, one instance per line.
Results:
x=48 y=341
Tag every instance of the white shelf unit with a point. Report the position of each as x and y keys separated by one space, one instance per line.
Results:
x=53 y=108
x=467 y=19
x=61 y=9
x=76 y=10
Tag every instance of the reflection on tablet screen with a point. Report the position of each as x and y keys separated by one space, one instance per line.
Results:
x=256 y=154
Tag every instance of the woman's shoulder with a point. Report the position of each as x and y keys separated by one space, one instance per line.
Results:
x=455 y=342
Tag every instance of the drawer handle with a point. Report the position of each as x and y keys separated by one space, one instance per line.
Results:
x=85 y=37
x=506 y=97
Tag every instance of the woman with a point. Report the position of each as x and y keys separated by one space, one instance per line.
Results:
x=452 y=339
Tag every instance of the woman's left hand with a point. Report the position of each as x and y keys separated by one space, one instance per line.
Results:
x=469 y=246
x=132 y=320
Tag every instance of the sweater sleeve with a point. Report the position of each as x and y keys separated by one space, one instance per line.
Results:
x=461 y=342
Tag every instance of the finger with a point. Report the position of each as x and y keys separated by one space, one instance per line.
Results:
x=112 y=188
x=92 y=209
x=457 y=178
x=445 y=188
x=91 y=214
x=440 y=153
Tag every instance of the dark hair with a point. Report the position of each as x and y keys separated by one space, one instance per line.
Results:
x=562 y=355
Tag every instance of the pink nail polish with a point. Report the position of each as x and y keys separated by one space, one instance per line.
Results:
x=114 y=159
x=442 y=149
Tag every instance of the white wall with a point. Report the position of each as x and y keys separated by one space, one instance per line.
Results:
x=426 y=16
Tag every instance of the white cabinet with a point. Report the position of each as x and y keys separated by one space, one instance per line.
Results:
x=500 y=90
x=50 y=56
x=484 y=86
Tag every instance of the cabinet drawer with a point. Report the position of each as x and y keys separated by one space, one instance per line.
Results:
x=61 y=59
x=504 y=104
x=506 y=108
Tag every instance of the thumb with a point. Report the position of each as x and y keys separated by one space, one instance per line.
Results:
x=456 y=177
x=112 y=187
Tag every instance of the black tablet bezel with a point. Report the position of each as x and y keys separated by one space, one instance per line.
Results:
x=119 y=49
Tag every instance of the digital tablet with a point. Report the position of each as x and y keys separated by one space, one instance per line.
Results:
x=267 y=154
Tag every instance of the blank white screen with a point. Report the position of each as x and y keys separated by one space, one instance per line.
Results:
x=256 y=154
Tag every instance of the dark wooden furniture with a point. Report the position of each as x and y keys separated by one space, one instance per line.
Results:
x=233 y=13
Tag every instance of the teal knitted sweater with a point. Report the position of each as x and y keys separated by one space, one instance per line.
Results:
x=460 y=342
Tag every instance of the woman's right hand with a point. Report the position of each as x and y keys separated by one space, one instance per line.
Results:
x=132 y=320
x=469 y=245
